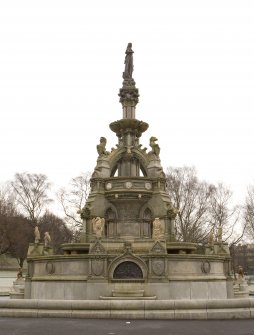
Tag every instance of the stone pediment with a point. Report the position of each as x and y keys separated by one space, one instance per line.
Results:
x=97 y=248
x=158 y=248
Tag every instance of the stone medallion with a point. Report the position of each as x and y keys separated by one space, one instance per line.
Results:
x=158 y=267
x=205 y=267
x=50 y=268
x=97 y=266
x=128 y=184
x=108 y=186
x=148 y=186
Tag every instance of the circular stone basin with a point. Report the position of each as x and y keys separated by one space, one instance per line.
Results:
x=122 y=125
x=180 y=247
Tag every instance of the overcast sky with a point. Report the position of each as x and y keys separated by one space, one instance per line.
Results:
x=61 y=65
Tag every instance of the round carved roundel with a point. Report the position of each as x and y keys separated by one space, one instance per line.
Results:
x=128 y=184
x=128 y=270
x=148 y=186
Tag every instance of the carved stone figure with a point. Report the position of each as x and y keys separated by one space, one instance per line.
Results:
x=155 y=147
x=101 y=148
x=37 y=235
x=98 y=226
x=19 y=273
x=47 y=239
x=158 y=230
x=127 y=74
x=240 y=272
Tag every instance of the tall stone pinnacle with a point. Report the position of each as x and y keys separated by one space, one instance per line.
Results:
x=128 y=93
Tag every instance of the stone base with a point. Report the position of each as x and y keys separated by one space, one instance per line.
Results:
x=128 y=309
x=16 y=295
x=128 y=298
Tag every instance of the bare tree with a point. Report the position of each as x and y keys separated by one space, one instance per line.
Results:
x=7 y=210
x=19 y=235
x=203 y=208
x=224 y=214
x=191 y=197
x=73 y=198
x=8 y=205
x=31 y=194
x=249 y=213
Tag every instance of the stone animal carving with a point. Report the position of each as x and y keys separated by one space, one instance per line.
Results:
x=155 y=146
x=101 y=147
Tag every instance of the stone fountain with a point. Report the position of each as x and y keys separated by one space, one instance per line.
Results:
x=128 y=249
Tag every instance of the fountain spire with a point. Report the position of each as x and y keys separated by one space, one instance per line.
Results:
x=128 y=93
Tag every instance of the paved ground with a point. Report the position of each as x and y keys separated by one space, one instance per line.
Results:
x=45 y=326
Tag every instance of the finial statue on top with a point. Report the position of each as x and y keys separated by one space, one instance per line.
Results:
x=127 y=74
x=128 y=93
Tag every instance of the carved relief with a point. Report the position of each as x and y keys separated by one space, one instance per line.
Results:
x=205 y=267
x=158 y=248
x=158 y=267
x=97 y=248
x=97 y=267
x=50 y=268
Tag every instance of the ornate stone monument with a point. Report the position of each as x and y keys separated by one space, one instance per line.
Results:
x=128 y=248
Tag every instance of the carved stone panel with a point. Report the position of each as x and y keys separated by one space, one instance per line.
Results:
x=158 y=267
x=50 y=268
x=97 y=267
x=158 y=248
x=206 y=267
x=97 y=248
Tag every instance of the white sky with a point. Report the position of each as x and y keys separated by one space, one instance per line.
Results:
x=61 y=65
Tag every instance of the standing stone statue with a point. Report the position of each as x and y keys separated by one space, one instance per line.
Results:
x=127 y=74
x=47 y=239
x=98 y=226
x=158 y=231
x=37 y=235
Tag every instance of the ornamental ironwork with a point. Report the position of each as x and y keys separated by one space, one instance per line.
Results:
x=128 y=270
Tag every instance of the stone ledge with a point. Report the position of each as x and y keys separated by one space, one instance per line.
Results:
x=130 y=309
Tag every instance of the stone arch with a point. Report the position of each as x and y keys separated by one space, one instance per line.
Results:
x=135 y=268
x=110 y=222
x=138 y=155
x=147 y=221
x=146 y=216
